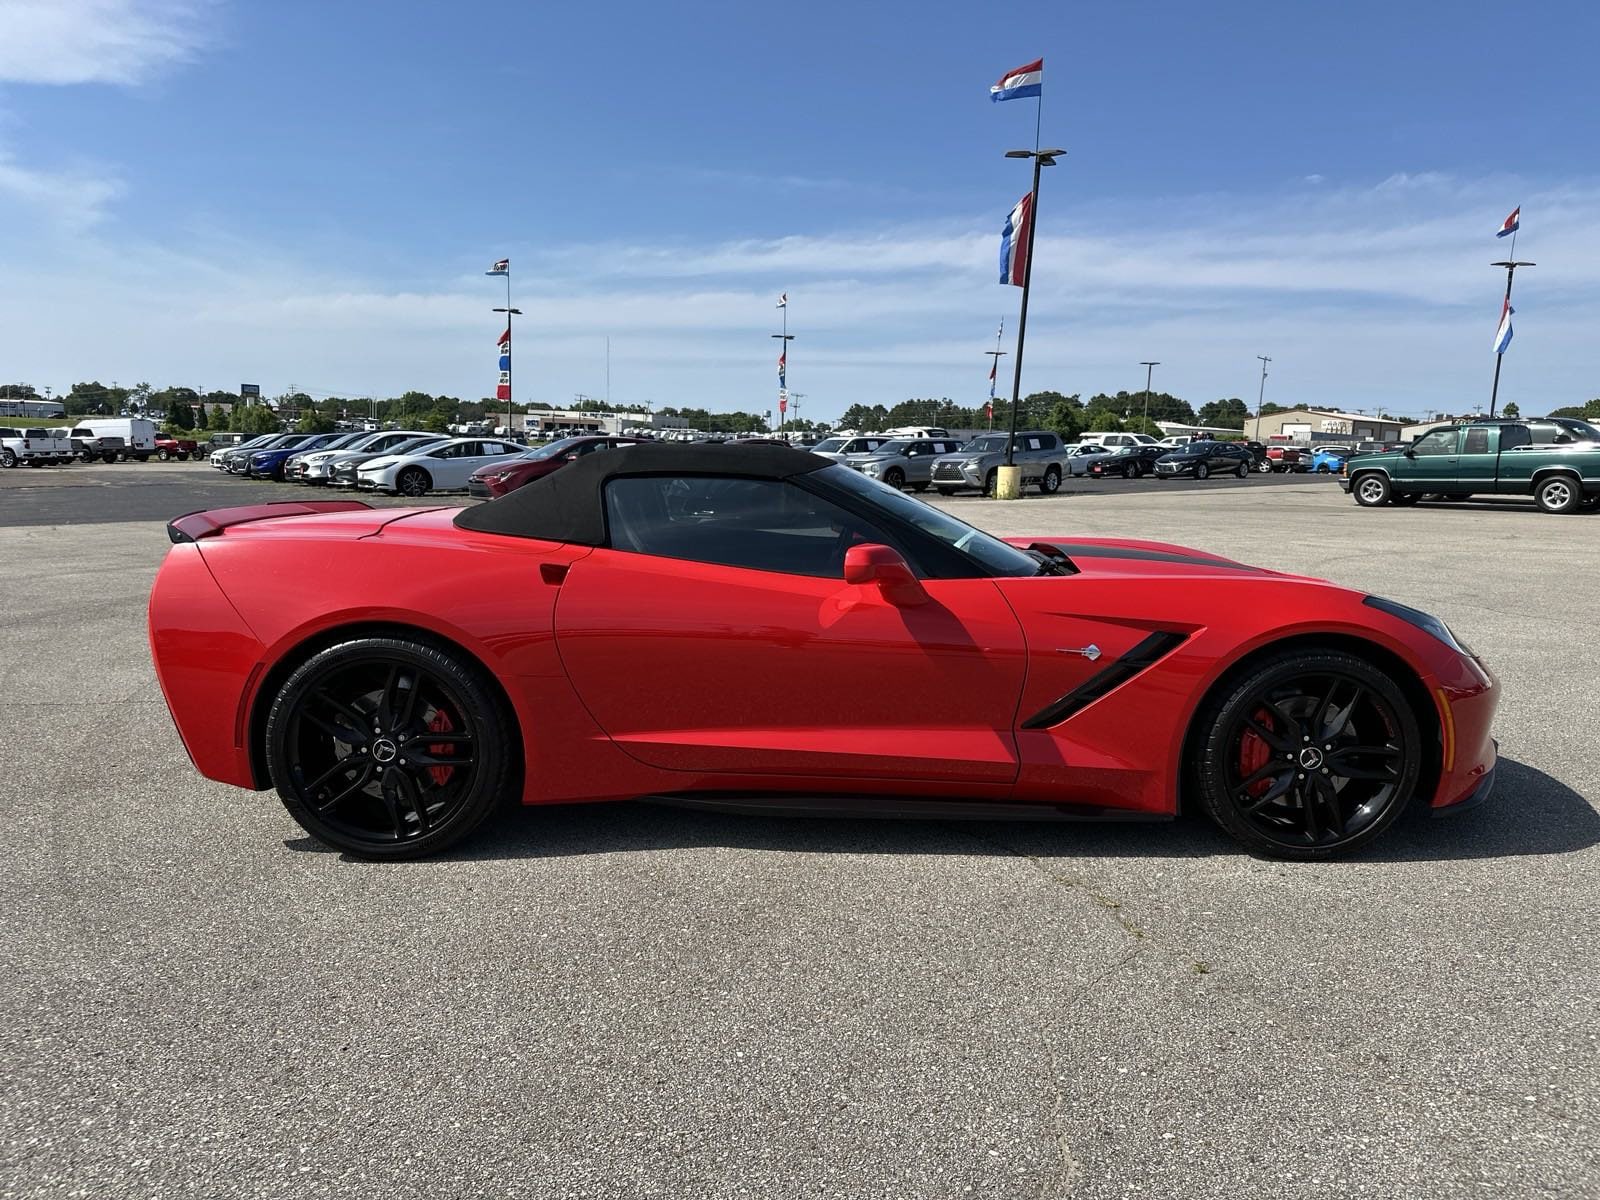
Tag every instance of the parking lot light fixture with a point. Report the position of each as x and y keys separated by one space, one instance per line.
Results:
x=1149 y=368
x=1041 y=158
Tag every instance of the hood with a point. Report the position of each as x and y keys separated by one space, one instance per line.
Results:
x=1126 y=556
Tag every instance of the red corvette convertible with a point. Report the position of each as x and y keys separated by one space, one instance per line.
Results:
x=754 y=627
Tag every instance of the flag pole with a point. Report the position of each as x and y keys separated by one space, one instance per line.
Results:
x=1511 y=266
x=1022 y=320
x=995 y=356
x=511 y=390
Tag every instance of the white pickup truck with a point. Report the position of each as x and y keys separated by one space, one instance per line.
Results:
x=35 y=447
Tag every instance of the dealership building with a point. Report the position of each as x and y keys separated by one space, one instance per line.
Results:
x=1317 y=425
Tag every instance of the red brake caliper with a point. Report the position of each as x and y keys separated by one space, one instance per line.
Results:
x=440 y=724
x=1254 y=753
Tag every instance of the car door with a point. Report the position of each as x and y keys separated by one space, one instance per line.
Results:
x=716 y=634
x=1480 y=454
x=1433 y=462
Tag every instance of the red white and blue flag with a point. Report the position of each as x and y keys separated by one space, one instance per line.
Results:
x=503 y=390
x=1512 y=223
x=1502 y=336
x=1026 y=80
x=1014 y=242
x=503 y=267
x=783 y=367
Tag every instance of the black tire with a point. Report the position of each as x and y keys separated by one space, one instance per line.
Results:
x=1263 y=466
x=35 y=462
x=1050 y=481
x=1558 y=493
x=162 y=455
x=183 y=456
x=1371 y=489
x=990 y=482
x=895 y=477
x=108 y=457
x=8 y=458
x=413 y=481
x=1243 y=472
x=86 y=456
x=363 y=703
x=1308 y=755
x=1201 y=471
x=919 y=488
x=947 y=491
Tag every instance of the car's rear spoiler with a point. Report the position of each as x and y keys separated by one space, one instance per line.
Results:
x=191 y=527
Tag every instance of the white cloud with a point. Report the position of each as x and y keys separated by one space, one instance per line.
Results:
x=71 y=200
x=97 y=41
x=1363 y=296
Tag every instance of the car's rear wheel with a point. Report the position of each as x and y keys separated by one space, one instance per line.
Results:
x=1243 y=472
x=162 y=455
x=895 y=477
x=1308 y=756
x=1558 y=494
x=1050 y=482
x=1201 y=471
x=388 y=748
x=413 y=481
x=1371 y=489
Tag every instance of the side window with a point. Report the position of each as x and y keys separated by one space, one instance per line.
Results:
x=1048 y=441
x=1545 y=433
x=1514 y=435
x=1034 y=444
x=758 y=524
x=1477 y=441
x=918 y=449
x=1440 y=441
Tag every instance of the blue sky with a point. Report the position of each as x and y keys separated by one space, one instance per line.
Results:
x=214 y=191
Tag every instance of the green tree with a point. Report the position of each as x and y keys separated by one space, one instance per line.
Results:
x=435 y=422
x=864 y=419
x=17 y=391
x=1140 y=425
x=1063 y=414
x=1511 y=410
x=201 y=421
x=1104 y=421
x=1224 y=414
x=256 y=418
x=312 y=421
x=179 y=403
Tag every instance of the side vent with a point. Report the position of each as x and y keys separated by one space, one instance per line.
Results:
x=1113 y=675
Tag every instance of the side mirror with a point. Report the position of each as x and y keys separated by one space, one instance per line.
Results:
x=1409 y=452
x=883 y=565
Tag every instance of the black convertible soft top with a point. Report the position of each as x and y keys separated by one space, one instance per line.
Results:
x=567 y=506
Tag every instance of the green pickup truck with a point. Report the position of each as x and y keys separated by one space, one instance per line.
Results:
x=1555 y=460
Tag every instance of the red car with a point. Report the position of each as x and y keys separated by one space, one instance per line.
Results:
x=498 y=479
x=756 y=627
x=1287 y=458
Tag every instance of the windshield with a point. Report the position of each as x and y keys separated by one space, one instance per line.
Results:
x=999 y=558
x=1583 y=430
x=558 y=447
x=985 y=445
x=898 y=446
x=827 y=445
x=1195 y=448
x=416 y=445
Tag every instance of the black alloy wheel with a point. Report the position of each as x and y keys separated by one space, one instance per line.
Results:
x=895 y=478
x=1309 y=756
x=388 y=748
x=413 y=481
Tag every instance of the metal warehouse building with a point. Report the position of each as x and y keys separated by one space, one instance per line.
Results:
x=1315 y=425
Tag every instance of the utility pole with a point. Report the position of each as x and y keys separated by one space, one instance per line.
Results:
x=795 y=398
x=1505 y=318
x=1149 y=369
x=1261 y=394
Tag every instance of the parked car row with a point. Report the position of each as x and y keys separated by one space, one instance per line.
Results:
x=110 y=440
x=407 y=462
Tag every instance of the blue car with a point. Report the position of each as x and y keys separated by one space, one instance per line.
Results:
x=268 y=464
x=1329 y=461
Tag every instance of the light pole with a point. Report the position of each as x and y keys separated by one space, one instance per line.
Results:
x=1149 y=369
x=1041 y=158
x=1261 y=394
x=509 y=312
x=784 y=339
x=1505 y=315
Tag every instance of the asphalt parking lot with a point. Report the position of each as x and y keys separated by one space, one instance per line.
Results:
x=625 y=1001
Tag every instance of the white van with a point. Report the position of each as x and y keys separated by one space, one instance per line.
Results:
x=138 y=434
x=1112 y=440
x=917 y=431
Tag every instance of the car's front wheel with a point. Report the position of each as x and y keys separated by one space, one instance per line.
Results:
x=1371 y=489
x=1050 y=482
x=895 y=477
x=1308 y=755
x=8 y=458
x=389 y=748
x=413 y=481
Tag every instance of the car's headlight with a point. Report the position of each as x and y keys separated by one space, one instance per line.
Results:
x=1424 y=621
x=973 y=462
